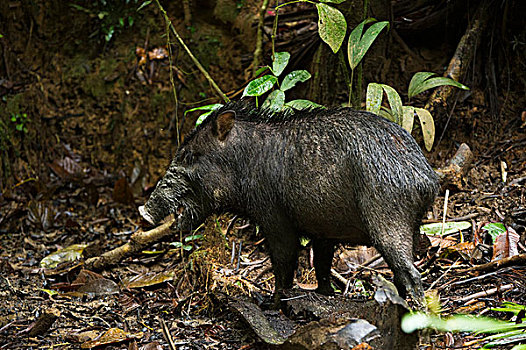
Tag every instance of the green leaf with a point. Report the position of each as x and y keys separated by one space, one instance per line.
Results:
x=302 y=104
x=395 y=102
x=274 y=101
x=193 y=238
x=49 y=292
x=304 y=241
x=508 y=306
x=495 y=229
x=428 y=127
x=333 y=1
x=109 y=34
x=422 y=81
x=373 y=99
x=212 y=107
x=202 y=118
x=509 y=339
x=332 y=26
x=408 y=118
x=435 y=229
x=416 y=81
x=519 y=347
x=121 y=22
x=261 y=70
x=455 y=323
x=259 y=86
x=144 y=4
x=281 y=59
x=387 y=114
x=176 y=244
x=358 y=45
x=293 y=78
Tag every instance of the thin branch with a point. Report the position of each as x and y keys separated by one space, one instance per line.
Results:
x=259 y=38
x=194 y=59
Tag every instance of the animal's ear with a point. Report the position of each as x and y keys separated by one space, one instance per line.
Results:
x=224 y=123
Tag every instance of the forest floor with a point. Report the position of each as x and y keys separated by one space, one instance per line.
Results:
x=105 y=158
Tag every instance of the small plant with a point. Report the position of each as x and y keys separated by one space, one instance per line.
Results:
x=359 y=45
x=20 y=120
x=275 y=101
x=405 y=115
x=113 y=16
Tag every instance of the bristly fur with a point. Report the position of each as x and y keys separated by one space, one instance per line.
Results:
x=246 y=111
x=334 y=175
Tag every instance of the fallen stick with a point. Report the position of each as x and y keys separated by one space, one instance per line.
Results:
x=497 y=264
x=487 y=293
x=451 y=175
x=138 y=241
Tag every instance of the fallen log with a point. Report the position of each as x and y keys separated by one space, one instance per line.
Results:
x=138 y=242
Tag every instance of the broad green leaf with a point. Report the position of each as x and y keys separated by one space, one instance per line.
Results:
x=373 y=99
x=333 y=1
x=417 y=80
x=359 y=45
x=354 y=41
x=274 y=101
x=293 y=78
x=455 y=323
x=435 y=229
x=70 y=253
x=421 y=82
x=395 y=102
x=281 y=59
x=303 y=104
x=428 y=127
x=495 y=229
x=332 y=26
x=259 y=86
x=519 y=347
x=408 y=118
